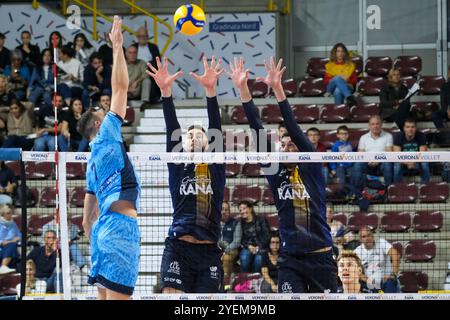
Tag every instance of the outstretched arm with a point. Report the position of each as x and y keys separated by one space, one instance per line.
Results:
x=119 y=77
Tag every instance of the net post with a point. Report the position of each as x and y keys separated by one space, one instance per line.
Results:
x=23 y=253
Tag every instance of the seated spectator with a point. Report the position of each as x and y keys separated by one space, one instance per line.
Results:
x=337 y=230
x=19 y=75
x=71 y=73
x=411 y=140
x=380 y=260
x=444 y=112
x=280 y=132
x=32 y=285
x=376 y=140
x=255 y=237
x=9 y=238
x=230 y=239
x=42 y=81
x=340 y=75
x=97 y=80
x=140 y=83
x=393 y=105
x=59 y=43
x=269 y=268
x=4 y=53
x=83 y=48
x=342 y=169
x=31 y=53
x=6 y=97
x=69 y=131
x=45 y=140
x=20 y=127
x=8 y=184
x=313 y=135
x=105 y=102
x=350 y=270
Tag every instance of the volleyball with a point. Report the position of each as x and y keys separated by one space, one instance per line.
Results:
x=189 y=19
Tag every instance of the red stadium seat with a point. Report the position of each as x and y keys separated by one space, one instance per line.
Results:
x=48 y=197
x=273 y=221
x=431 y=84
x=332 y=193
x=428 y=221
x=246 y=193
x=357 y=220
x=342 y=217
x=434 y=192
x=398 y=247
x=408 y=81
x=271 y=114
x=77 y=197
x=251 y=170
x=402 y=192
x=413 y=281
x=18 y=221
x=312 y=87
x=355 y=135
x=241 y=278
x=378 y=66
x=408 y=65
x=306 y=113
x=129 y=116
x=31 y=202
x=370 y=86
x=39 y=170
x=425 y=108
x=290 y=87
x=232 y=169
x=335 y=113
x=328 y=137
x=258 y=89
x=238 y=115
x=226 y=194
x=359 y=65
x=396 y=221
x=75 y=170
x=14 y=166
x=362 y=113
x=8 y=284
x=237 y=140
x=36 y=222
x=420 y=251
x=316 y=66
x=268 y=197
x=78 y=221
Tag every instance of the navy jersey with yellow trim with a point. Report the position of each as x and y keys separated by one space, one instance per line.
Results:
x=299 y=194
x=197 y=190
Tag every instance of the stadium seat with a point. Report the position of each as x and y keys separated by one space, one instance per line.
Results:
x=434 y=192
x=129 y=116
x=14 y=166
x=32 y=201
x=271 y=114
x=39 y=170
x=238 y=115
x=36 y=222
x=399 y=247
x=316 y=66
x=428 y=221
x=18 y=221
x=48 y=197
x=394 y=221
x=312 y=87
x=335 y=113
x=78 y=221
x=361 y=219
x=340 y=217
x=430 y=85
x=402 y=192
x=226 y=194
x=355 y=135
x=425 y=108
x=359 y=65
x=328 y=137
x=362 y=113
x=290 y=87
x=420 y=251
x=241 y=278
x=413 y=281
x=408 y=65
x=267 y=197
x=239 y=140
x=306 y=112
x=75 y=170
x=246 y=193
x=258 y=89
x=370 y=86
x=232 y=169
x=8 y=284
x=408 y=81
x=378 y=66
x=333 y=193
x=251 y=170
x=77 y=197
x=273 y=221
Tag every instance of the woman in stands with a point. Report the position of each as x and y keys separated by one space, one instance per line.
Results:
x=18 y=74
x=33 y=285
x=59 y=43
x=20 y=127
x=349 y=270
x=269 y=269
x=9 y=237
x=69 y=127
x=41 y=83
x=83 y=48
x=340 y=75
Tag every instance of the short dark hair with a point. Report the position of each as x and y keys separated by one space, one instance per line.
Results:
x=344 y=128
x=312 y=129
x=25 y=31
x=410 y=120
x=286 y=134
x=68 y=51
x=246 y=202
x=85 y=125
x=281 y=125
x=95 y=55
x=196 y=126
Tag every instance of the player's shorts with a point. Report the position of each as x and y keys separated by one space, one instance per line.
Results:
x=308 y=273
x=115 y=252
x=191 y=268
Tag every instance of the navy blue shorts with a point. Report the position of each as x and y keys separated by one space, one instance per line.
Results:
x=191 y=268
x=308 y=273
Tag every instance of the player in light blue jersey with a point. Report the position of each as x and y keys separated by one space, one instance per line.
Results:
x=113 y=190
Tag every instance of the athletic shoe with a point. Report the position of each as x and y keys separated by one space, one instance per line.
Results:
x=6 y=270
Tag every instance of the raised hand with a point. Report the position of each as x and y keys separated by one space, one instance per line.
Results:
x=163 y=79
x=116 y=33
x=238 y=74
x=210 y=75
x=273 y=77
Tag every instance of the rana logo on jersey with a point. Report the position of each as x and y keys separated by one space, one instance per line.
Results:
x=287 y=192
x=214 y=273
x=196 y=185
x=174 y=267
x=286 y=287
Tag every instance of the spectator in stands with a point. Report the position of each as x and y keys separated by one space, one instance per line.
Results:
x=342 y=169
x=59 y=43
x=147 y=52
x=411 y=140
x=105 y=102
x=20 y=127
x=337 y=230
x=376 y=140
x=69 y=131
x=32 y=285
x=393 y=105
x=380 y=260
x=97 y=80
x=19 y=74
x=340 y=75
x=4 y=53
x=444 y=112
x=6 y=97
x=269 y=268
x=83 y=49
x=350 y=271
x=71 y=75
x=314 y=137
x=255 y=237
x=280 y=132
x=230 y=240
x=42 y=81
x=31 y=54
x=140 y=83
x=45 y=140
x=8 y=184
x=45 y=259
x=9 y=238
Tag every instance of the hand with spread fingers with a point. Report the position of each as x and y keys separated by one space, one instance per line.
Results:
x=239 y=77
x=116 y=35
x=161 y=75
x=210 y=75
x=273 y=77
